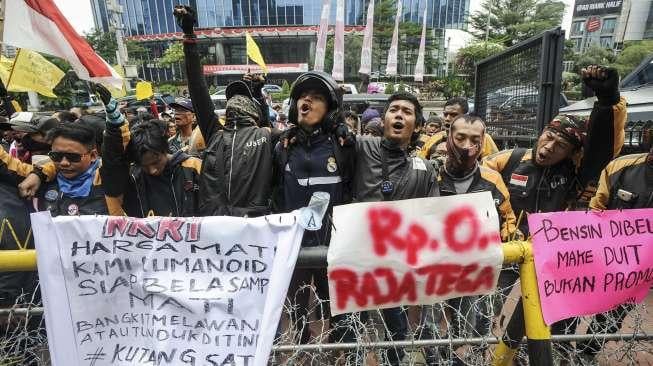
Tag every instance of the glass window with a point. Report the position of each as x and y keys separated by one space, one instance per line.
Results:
x=577 y=28
x=608 y=25
x=606 y=42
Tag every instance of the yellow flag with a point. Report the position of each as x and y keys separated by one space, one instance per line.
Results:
x=254 y=53
x=5 y=68
x=32 y=72
x=117 y=93
x=143 y=90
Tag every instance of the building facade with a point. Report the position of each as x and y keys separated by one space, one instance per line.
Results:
x=609 y=23
x=285 y=30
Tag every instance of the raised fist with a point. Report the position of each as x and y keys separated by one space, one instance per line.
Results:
x=186 y=18
x=604 y=81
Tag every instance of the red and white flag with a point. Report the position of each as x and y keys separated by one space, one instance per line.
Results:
x=419 y=66
x=322 y=36
x=339 y=43
x=391 y=67
x=38 y=25
x=366 y=51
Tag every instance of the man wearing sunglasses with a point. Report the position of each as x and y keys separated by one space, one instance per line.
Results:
x=77 y=189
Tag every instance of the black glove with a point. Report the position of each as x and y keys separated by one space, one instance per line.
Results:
x=102 y=92
x=255 y=83
x=344 y=136
x=604 y=81
x=186 y=19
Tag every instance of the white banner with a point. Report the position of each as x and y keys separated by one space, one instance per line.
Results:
x=366 y=50
x=338 y=72
x=163 y=290
x=419 y=251
x=419 y=66
x=320 y=49
x=391 y=67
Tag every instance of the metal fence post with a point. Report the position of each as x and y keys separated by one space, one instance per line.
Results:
x=17 y=260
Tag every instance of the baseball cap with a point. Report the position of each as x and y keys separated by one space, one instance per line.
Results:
x=30 y=123
x=182 y=103
x=238 y=88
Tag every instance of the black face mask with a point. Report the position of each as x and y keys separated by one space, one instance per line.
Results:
x=31 y=145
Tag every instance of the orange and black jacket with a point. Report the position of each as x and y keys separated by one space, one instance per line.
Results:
x=486 y=179
x=535 y=188
x=627 y=182
x=173 y=193
x=15 y=225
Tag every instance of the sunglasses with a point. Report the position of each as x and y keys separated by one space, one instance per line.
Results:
x=58 y=156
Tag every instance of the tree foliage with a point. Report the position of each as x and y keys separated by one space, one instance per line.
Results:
x=512 y=21
x=172 y=55
x=105 y=45
x=632 y=55
x=593 y=56
x=468 y=56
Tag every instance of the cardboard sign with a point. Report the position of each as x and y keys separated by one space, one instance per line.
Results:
x=163 y=291
x=589 y=263
x=419 y=251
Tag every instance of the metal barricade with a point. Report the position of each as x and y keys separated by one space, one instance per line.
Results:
x=518 y=91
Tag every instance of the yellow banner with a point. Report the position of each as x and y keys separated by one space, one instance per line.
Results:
x=5 y=68
x=143 y=90
x=117 y=93
x=254 y=53
x=32 y=72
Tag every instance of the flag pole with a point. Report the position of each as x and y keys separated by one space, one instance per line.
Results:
x=13 y=67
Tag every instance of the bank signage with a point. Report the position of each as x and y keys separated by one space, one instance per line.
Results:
x=597 y=7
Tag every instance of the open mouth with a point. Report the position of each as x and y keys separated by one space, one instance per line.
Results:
x=305 y=108
x=541 y=157
x=398 y=125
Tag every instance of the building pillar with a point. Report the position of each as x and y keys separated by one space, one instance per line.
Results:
x=219 y=53
x=311 y=53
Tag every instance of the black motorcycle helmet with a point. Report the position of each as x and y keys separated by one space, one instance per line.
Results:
x=325 y=84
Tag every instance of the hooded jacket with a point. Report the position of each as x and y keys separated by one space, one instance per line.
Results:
x=173 y=193
x=236 y=174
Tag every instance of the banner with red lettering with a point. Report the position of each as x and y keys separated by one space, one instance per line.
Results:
x=418 y=251
x=164 y=290
x=320 y=49
x=366 y=50
x=588 y=263
x=338 y=71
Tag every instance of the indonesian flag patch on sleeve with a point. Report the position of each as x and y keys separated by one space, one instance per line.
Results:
x=518 y=180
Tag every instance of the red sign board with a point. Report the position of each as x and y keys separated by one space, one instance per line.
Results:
x=241 y=69
x=593 y=24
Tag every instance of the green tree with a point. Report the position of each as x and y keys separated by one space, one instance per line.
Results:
x=512 y=21
x=136 y=52
x=467 y=57
x=172 y=55
x=104 y=44
x=632 y=55
x=593 y=56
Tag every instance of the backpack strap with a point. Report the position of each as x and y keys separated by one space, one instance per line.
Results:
x=515 y=158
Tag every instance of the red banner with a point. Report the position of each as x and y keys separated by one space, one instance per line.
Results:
x=242 y=69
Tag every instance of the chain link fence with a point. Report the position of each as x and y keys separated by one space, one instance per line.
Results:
x=518 y=90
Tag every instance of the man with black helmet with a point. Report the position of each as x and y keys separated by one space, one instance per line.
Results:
x=316 y=160
x=236 y=177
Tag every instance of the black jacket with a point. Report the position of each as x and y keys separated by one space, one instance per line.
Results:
x=316 y=162
x=236 y=175
x=534 y=188
x=412 y=177
x=173 y=193
x=14 y=216
x=51 y=199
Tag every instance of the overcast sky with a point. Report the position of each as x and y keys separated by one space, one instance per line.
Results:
x=79 y=13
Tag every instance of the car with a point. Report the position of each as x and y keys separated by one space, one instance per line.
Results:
x=271 y=88
x=359 y=102
x=162 y=101
x=219 y=100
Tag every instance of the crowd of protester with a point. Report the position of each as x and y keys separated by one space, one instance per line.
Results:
x=261 y=159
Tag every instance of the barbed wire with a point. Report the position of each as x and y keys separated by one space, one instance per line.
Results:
x=450 y=333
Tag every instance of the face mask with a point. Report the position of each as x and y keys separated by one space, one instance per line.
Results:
x=461 y=160
x=31 y=145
